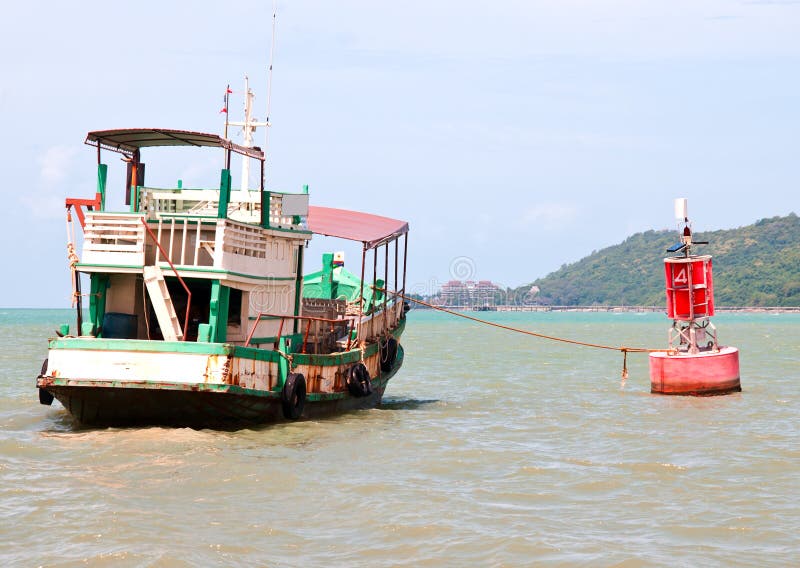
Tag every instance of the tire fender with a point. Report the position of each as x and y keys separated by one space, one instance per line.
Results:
x=293 y=396
x=358 y=380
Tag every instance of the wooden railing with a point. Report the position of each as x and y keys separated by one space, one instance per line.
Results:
x=185 y=238
x=113 y=239
x=368 y=328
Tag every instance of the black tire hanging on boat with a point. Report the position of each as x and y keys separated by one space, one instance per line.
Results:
x=45 y=396
x=358 y=381
x=293 y=396
x=388 y=354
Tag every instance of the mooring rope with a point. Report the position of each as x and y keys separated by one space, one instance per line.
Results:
x=72 y=256
x=622 y=348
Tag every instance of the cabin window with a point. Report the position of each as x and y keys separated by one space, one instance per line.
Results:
x=235 y=307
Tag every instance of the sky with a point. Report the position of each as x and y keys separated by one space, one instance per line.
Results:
x=513 y=136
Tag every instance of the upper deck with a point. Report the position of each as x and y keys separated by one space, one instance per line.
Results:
x=221 y=233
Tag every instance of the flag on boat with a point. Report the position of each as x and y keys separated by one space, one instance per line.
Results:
x=225 y=99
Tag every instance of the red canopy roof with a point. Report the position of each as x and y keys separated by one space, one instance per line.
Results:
x=372 y=230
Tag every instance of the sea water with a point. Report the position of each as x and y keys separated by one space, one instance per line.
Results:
x=491 y=449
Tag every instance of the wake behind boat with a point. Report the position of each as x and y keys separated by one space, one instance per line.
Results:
x=198 y=311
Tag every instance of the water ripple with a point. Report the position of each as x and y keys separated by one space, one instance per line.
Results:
x=490 y=450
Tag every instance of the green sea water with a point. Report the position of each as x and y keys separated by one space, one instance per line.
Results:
x=491 y=449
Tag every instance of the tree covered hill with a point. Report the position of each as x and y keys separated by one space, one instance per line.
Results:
x=756 y=265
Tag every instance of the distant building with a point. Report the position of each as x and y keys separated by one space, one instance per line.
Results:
x=469 y=293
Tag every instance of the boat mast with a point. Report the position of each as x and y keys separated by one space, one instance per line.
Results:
x=249 y=126
x=250 y=123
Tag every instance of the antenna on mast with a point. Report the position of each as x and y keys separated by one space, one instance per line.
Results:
x=250 y=123
x=269 y=75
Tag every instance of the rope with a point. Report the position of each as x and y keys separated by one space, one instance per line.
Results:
x=288 y=358
x=624 y=349
x=72 y=256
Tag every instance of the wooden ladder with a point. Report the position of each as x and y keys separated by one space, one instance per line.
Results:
x=162 y=303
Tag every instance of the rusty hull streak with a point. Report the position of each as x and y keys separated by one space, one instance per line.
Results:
x=213 y=363
x=245 y=376
x=227 y=371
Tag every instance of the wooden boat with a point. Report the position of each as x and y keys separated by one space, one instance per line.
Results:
x=198 y=314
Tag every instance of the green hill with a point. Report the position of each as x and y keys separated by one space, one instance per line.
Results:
x=756 y=265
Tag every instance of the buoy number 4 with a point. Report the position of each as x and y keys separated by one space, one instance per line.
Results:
x=681 y=277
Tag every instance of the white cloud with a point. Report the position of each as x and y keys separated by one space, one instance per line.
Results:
x=56 y=167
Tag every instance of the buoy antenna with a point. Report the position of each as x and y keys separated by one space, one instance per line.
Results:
x=681 y=209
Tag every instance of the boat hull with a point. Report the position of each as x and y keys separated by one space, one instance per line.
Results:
x=137 y=403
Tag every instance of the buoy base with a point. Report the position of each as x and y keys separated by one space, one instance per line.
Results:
x=703 y=374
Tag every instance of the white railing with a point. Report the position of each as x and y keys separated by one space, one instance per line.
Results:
x=246 y=240
x=197 y=240
x=187 y=241
x=113 y=238
x=224 y=244
x=286 y=211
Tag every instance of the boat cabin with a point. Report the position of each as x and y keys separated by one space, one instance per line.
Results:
x=225 y=265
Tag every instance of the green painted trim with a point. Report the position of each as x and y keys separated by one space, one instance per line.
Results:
x=220 y=271
x=326 y=280
x=102 y=178
x=135 y=198
x=298 y=287
x=293 y=231
x=218 y=311
x=194 y=387
x=262 y=340
x=204 y=333
x=224 y=194
x=140 y=345
x=283 y=364
x=183 y=268
x=161 y=385
x=256 y=354
x=97 y=300
x=89 y=265
x=292 y=337
x=266 y=197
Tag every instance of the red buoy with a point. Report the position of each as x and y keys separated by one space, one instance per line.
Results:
x=694 y=364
